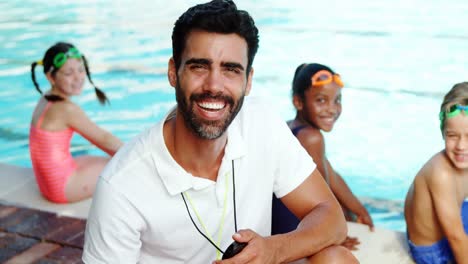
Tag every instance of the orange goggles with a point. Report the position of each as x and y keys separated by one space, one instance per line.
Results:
x=325 y=77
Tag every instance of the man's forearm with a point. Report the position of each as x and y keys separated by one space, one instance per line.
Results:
x=322 y=227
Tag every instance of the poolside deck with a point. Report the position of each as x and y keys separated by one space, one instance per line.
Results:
x=33 y=230
x=33 y=236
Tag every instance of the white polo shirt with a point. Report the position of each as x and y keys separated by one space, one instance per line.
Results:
x=139 y=216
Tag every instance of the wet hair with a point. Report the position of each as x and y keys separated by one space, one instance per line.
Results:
x=457 y=95
x=47 y=63
x=302 y=77
x=218 y=16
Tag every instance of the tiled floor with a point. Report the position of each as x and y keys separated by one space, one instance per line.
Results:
x=33 y=236
x=33 y=230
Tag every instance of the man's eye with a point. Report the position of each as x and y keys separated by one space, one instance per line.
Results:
x=233 y=69
x=197 y=66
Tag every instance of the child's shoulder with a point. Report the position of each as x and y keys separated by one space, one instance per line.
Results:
x=439 y=162
x=311 y=131
x=65 y=106
x=308 y=135
x=438 y=168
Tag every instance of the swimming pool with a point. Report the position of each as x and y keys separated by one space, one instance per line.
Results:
x=397 y=59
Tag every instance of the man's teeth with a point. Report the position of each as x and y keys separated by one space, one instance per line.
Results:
x=211 y=105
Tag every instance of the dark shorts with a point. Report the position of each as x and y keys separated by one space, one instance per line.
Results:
x=439 y=252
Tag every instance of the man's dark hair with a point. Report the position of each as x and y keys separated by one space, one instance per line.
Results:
x=218 y=16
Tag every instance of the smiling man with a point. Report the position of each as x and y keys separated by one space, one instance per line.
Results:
x=185 y=189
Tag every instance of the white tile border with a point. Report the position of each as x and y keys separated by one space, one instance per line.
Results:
x=24 y=192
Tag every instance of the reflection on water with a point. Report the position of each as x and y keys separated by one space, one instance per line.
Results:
x=386 y=213
x=397 y=59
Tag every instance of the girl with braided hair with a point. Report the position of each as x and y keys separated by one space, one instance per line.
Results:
x=62 y=178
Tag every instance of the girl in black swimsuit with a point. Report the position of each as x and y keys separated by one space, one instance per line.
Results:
x=316 y=91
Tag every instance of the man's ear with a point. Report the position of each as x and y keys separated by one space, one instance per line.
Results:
x=172 y=72
x=249 y=82
x=297 y=102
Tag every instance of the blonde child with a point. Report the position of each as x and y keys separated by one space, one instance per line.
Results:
x=435 y=212
x=62 y=178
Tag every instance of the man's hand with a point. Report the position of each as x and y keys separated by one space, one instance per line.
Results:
x=259 y=249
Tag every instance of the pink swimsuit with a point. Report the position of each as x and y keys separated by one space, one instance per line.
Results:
x=51 y=159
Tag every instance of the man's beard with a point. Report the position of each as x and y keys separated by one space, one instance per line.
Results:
x=207 y=129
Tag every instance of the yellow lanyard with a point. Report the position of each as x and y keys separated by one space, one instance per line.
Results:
x=220 y=231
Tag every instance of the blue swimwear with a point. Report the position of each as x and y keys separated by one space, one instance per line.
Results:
x=436 y=253
x=465 y=215
x=439 y=252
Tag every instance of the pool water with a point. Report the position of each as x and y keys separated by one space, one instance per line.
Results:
x=397 y=58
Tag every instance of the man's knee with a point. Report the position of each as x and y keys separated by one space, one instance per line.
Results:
x=333 y=255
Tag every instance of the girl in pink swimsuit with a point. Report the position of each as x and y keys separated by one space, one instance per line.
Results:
x=62 y=178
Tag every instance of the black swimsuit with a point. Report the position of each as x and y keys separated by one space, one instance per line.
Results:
x=297 y=129
x=282 y=220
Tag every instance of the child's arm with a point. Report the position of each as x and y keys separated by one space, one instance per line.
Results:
x=346 y=197
x=79 y=121
x=443 y=191
x=313 y=142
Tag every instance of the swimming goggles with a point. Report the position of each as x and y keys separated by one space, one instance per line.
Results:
x=454 y=110
x=325 y=77
x=61 y=57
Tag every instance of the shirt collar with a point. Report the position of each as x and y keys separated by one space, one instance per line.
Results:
x=174 y=177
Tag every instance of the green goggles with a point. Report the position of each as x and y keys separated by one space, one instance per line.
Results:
x=454 y=110
x=61 y=57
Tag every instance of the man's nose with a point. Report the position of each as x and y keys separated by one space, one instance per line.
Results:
x=214 y=81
